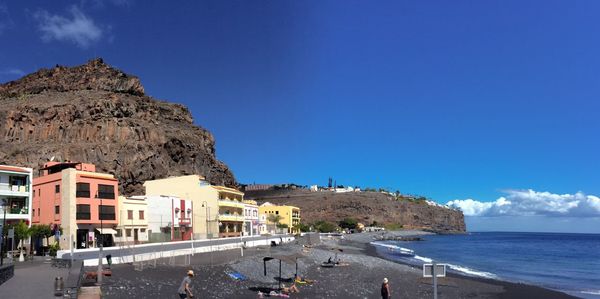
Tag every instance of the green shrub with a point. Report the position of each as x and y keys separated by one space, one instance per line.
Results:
x=53 y=249
x=348 y=223
x=393 y=226
x=325 y=227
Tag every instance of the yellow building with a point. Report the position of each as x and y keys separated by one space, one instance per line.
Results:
x=217 y=210
x=231 y=211
x=204 y=197
x=133 y=220
x=289 y=215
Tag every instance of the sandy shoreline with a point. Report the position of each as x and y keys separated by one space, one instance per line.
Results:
x=360 y=279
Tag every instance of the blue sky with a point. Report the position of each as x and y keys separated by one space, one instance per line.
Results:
x=454 y=100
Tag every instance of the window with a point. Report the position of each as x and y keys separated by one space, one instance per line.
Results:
x=130 y=214
x=83 y=190
x=33 y=213
x=39 y=194
x=83 y=212
x=106 y=191
x=141 y=215
x=106 y=213
x=277 y=212
x=142 y=230
x=119 y=233
x=56 y=209
x=128 y=232
x=56 y=188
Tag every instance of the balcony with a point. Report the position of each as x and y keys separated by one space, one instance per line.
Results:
x=17 y=206
x=185 y=221
x=231 y=203
x=231 y=217
x=15 y=190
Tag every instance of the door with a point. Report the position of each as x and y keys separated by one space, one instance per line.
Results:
x=82 y=235
x=135 y=236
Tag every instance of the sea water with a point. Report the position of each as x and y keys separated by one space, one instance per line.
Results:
x=565 y=262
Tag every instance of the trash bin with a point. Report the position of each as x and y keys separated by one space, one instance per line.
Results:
x=59 y=286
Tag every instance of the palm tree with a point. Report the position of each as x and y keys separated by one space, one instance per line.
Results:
x=22 y=232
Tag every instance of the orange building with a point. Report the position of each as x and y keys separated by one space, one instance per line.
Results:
x=79 y=199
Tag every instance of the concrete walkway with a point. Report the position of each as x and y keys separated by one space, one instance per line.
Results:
x=33 y=279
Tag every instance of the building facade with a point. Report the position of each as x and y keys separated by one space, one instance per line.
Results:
x=133 y=221
x=198 y=190
x=80 y=200
x=15 y=194
x=170 y=218
x=288 y=215
x=251 y=219
x=231 y=211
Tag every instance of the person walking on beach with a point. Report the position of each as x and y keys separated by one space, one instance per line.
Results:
x=184 y=289
x=385 y=289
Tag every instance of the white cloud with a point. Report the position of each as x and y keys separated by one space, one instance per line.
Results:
x=532 y=203
x=79 y=29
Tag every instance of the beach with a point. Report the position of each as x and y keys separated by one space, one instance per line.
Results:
x=361 y=276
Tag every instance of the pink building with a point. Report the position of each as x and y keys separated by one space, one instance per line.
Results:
x=79 y=199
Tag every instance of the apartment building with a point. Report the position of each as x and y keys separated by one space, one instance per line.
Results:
x=251 y=219
x=15 y=194
x=231 y=211
x=170 y=218
x=80 y=200
x=133 y=220
x=195 y=188
x=288 y=215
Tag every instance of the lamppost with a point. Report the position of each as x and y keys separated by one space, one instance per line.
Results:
x=207 y=209
x=4 y=205
x=99 y=270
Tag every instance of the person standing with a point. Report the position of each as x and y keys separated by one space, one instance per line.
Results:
x=184 y=289
x=385 y=290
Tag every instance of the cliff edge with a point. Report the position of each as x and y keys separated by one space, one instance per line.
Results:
x=98 y=114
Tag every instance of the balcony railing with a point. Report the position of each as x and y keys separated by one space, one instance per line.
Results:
x=17 y=210
x=230 y=203
x=16 y=188
x=231 y=217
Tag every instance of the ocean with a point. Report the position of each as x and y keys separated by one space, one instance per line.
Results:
x=565 y=262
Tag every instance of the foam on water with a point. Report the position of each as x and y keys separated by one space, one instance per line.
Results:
x=394 y=247
x=472 y=272
x=592 y=292
x=424 y=259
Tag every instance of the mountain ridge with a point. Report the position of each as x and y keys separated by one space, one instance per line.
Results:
x=98 y=114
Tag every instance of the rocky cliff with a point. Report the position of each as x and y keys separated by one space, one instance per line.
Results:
x=366 y=207
x=95 y=113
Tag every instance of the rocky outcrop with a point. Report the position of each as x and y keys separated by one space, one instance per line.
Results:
x=97 y=114
x=366 y=207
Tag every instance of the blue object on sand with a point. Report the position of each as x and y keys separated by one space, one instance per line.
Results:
x=237 y=276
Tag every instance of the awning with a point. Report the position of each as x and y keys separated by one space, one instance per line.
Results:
x=107 y=231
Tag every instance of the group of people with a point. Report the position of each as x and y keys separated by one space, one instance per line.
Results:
x=185 y=291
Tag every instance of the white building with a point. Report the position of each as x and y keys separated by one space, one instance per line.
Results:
x=251 y=221
x=133 y=220
x=15 y=194
x=169 y=218
x=262 y=224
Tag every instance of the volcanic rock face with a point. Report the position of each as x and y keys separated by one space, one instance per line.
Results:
x=97 y=114
x=366 y=207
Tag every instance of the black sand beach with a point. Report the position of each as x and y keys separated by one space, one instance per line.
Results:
x=360 y=279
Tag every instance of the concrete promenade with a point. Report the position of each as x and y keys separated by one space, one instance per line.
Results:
x=168 y=249
x=33 y=279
